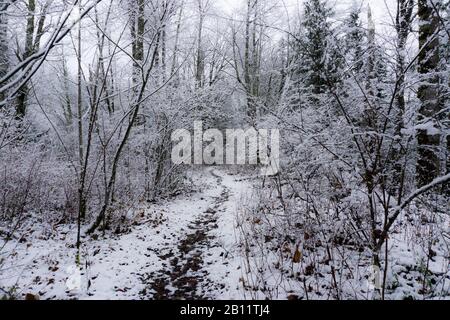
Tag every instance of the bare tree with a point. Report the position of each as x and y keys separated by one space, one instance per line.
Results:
x=33 y=34
x=4 y=58
x=20 y=74
x=247 y=64
x=200 y=56
x=141 y=77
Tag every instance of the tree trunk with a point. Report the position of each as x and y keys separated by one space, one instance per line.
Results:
x=81 y=197
x=403 y=25
x=4 y=59
x=67 y=106
x=22 y=96
x=428 y=163
x=137 y=35
x=251 y=110
x=163 y=53
x=200 y=59
x=177 y=39
x=32 y=44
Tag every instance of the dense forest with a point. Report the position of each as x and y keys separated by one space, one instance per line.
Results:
x=92 y=205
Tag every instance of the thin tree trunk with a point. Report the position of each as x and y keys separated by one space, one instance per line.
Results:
x=4 y=59
x=122 y=144
x=403 y=25
x=177 y=39
x=138 y=55
x=247 y=80
x=81 y=199
x=200 y=63
x=67 y=106
x=163 y=54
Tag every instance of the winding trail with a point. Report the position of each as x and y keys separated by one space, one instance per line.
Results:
x=203 y=262
x=179 y=248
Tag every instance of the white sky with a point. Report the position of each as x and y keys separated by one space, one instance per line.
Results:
x=229 y=8
x=379 y=7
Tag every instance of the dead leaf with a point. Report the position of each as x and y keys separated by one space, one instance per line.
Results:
x=297 y=256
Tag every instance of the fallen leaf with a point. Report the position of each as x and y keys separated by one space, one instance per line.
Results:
x=297 y=256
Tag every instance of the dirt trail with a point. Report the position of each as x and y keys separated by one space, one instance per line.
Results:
x=187 y=273
x=179 y=248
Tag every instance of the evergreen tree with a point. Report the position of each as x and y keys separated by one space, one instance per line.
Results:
x=315 y=44
x=354 y=38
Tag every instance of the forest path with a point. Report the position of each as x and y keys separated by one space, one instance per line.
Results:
x=179 y=248
x=203 y=260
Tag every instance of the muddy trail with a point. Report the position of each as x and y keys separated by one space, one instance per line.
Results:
x=184 y=275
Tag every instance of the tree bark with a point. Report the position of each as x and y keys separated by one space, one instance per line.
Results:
x=4 y=59
x=402 y=25
x=32 y=44
x=177 y=39
x=428 y=163
x=81 y=197
x=200 y=59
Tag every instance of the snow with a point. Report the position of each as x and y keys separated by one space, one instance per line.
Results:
x=213 y=244
x=231 y=269
x=115 y=265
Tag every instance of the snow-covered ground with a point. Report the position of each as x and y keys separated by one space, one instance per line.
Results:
x=287 y=259
x=216 y=243
x=183 y=248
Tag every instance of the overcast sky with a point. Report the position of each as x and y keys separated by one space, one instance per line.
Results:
x=379 y=7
